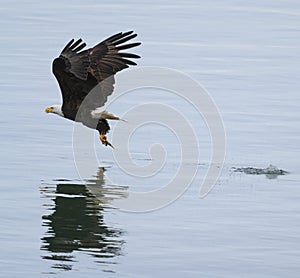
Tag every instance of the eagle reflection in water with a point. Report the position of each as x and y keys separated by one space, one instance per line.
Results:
x=76 y=222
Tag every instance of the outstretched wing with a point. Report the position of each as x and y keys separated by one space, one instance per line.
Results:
x=78 y=71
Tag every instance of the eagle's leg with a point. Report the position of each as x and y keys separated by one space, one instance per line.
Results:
x=104 y=141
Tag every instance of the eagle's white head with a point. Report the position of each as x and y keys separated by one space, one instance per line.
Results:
x=56 y=109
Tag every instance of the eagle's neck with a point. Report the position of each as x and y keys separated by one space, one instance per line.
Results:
x=60 y=112
x=57 y=110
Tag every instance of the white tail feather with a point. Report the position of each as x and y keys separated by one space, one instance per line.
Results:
x=96 y=114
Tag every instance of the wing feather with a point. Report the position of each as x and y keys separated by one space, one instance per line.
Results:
x=120 y=41
x=78 y=71
x=130 y=45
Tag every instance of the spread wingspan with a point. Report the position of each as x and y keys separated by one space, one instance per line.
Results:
x=78 y=71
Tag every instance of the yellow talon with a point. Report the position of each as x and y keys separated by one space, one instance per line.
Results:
x=104 y=140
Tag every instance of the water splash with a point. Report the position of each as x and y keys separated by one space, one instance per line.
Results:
x=271 y=172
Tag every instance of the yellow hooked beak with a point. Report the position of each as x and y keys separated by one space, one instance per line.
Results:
x=48 y=110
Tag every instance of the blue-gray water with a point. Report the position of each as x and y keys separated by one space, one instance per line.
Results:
x=245 y=53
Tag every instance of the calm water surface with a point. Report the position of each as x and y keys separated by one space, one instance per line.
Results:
x=246 y=54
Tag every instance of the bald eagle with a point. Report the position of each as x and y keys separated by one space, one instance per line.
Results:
x=86 y=79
